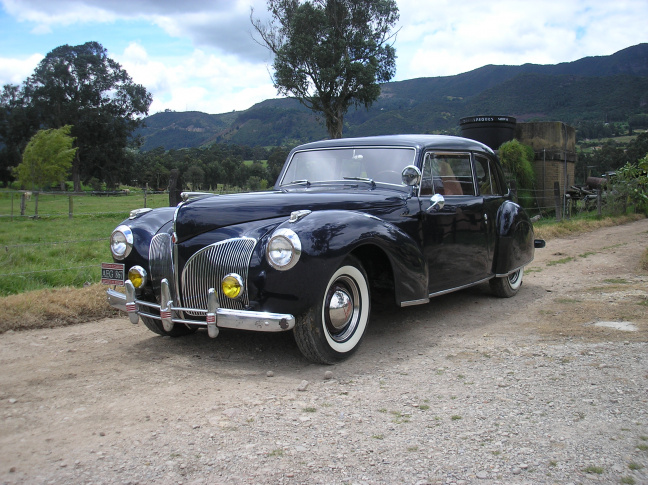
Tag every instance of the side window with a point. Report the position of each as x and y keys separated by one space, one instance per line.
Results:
x=488 y=180
x=447 y=174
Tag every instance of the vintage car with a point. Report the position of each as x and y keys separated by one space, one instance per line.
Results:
x=403 y=217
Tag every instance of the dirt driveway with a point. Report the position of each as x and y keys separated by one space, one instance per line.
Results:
x=548 y=387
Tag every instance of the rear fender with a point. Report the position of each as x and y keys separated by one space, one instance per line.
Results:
x=515 y=243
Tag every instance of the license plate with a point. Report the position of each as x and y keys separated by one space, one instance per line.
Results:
x=112 y=274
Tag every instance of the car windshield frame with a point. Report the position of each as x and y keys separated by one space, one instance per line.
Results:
x=348 y=165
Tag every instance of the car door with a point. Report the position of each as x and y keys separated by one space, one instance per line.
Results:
x=493 y=190
x=454 y=224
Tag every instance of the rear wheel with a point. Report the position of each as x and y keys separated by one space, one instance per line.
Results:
x=507 y=286
x=331 y=330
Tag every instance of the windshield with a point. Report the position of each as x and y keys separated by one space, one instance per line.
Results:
x=370 y=164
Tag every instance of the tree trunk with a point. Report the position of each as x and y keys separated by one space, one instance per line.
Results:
x=334 y=122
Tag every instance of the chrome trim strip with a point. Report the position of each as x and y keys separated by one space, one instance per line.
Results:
x=504 y=275
x=422 y=301
x=439 y=293
x=226 y=318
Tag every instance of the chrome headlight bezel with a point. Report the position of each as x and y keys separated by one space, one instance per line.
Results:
x=137 y=272
x=238 y=282
x=284 y=249
x=121 y=242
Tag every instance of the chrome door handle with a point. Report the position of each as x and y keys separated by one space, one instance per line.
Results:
x=436 y=203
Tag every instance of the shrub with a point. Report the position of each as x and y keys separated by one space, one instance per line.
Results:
x=517 y=160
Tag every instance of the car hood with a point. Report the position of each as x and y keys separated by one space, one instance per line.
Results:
x=209 y=213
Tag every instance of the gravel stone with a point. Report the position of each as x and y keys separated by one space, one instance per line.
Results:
x=467 y=389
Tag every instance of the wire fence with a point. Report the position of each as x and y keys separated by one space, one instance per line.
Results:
x=53 y=239
x=16 y=204
x=60 y=239
x=577 y=200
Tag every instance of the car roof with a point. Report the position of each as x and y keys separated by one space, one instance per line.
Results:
x=443 y=142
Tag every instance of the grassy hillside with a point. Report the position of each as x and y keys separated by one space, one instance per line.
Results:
x=603 y=89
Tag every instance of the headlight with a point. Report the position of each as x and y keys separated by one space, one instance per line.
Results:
x=284 y=249
x=232 y=285
x=137 y=276
x=121 y=242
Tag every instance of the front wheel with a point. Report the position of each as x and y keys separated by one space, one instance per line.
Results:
x=179 y=330
x=507 y=286
x=331 y=330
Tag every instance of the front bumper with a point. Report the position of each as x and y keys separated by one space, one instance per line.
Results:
x=215 y=317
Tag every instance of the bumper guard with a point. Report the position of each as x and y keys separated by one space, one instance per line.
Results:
x=215 y=316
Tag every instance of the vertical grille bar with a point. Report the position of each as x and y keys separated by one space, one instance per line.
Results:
x=206 y=269
x=161 y=262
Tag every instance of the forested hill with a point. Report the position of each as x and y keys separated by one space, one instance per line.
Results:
x=600 y=89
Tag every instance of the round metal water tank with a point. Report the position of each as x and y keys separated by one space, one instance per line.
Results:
x=490 y=130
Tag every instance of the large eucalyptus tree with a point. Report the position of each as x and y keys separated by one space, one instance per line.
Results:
x=330 y=54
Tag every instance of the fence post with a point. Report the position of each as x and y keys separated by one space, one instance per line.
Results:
x=557 y=201
x=174 y=194
x=599 y=202
x=70 y=207
x=568 y=201
x=145 y=190
x=12 y=197
x=23 y=201
x=35 y=205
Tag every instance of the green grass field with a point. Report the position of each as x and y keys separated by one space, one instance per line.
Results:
x=53 y=250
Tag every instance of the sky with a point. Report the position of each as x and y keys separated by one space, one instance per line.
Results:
x=201 y=55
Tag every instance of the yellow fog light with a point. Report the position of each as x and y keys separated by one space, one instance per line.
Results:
x=137 y=276
x=232 y=285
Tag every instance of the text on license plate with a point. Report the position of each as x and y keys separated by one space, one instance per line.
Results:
x=112 y=274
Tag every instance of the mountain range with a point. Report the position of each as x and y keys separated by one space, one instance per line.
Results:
x=593 y=89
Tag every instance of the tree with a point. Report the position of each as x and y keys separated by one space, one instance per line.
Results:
x=630 y=183
x=517 y=160
x=17 y=125
x=47 y=158
x=81 y=86
x=195 y=177
x=330 y=54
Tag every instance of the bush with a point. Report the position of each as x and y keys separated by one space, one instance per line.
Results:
x=517 y=160
x=631 y=183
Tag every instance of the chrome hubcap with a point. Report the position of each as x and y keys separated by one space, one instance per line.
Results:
x=342 y=310
x=515 y=279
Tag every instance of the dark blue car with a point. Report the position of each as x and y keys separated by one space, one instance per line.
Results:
x=404 y=217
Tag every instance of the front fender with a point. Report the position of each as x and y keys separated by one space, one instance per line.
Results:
x=328 y=237
x=515 y=243
x=144 y=227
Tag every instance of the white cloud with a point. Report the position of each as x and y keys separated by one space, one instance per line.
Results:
x=15 y=71
x=208 y=60
x=199 y=81
x=454 y=37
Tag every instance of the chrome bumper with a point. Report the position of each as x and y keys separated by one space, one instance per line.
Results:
x=215 y=317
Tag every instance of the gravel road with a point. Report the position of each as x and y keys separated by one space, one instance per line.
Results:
x=548 y=387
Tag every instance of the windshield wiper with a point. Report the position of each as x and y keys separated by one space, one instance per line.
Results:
x=362 y=179
x=299 y=182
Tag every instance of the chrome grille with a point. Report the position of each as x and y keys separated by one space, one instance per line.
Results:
x=206 y=268
x=161 y=262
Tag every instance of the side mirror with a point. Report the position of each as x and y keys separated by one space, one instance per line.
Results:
x=411 y=176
